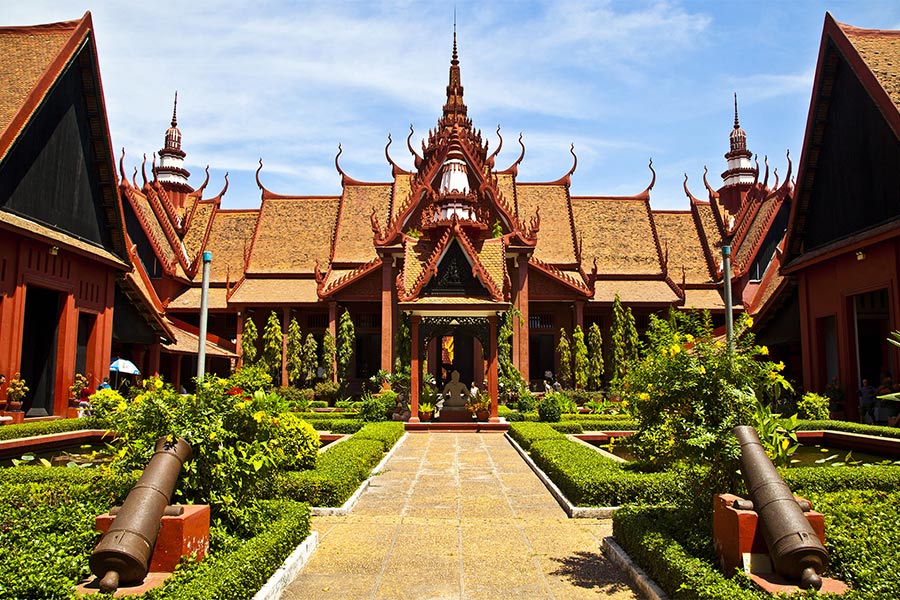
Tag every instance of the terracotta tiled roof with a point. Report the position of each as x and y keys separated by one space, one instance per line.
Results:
x=190 y=299
x=709 y=231
x=229 y=238
x=193 y=237
x=634 y=291
x=744 y=254
x=493 y=258
x=704 y=299
x=354 y=239
x=275 y=291
x=679 y=237
x=881 y=51
x=401 y=191
x=292 y=234
x=186 y=342
x=27 y=53
x=506 y=184
x=617 y=232
x=555 y=244
x=415 y=257
x=152 y=228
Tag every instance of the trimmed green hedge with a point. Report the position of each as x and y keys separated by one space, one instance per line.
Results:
x=567 y=426
x=326 y=416
x=646 y=534
x=336 y=425
x=861 y=537
x=238 y=574
x=600 y=423
x=21 y=430
x=805 y=480
x=847 y=426
x=341 y=468
x=588 y=478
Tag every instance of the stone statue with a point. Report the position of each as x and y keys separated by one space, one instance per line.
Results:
x=455 y=392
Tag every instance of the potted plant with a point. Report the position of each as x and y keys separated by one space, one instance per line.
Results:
x=426 y=411
x=15 y=392
x=480 y=406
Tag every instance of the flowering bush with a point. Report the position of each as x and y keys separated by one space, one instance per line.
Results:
x=688 y=392
x=813 y=406
x=239 y=438
x=78 y=386
x=16 y=390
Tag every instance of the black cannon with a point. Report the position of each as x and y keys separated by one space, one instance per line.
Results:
x=796 y=551
x=123 y=554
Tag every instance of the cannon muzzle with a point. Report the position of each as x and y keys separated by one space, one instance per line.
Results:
x=124 y=552
x=796 y=551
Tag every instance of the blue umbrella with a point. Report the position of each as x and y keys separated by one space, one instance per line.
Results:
x=120 y=365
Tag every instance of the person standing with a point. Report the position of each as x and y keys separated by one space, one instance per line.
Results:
x=866 y=402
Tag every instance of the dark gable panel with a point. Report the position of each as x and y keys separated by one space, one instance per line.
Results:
x=857 y=180
x=50 y=174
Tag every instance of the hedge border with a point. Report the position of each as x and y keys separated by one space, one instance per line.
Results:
x=23 y=430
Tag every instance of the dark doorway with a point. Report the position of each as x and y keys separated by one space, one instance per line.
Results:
x=541 y=356
x=872 y=330
x=43 y=308
x=85 y=328
x=464 y=359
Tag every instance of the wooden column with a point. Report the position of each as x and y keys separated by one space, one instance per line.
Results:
x=176 y=371
x=415 y=366
x=387 y=315
x=579 y=315
x=521 y=338
x=239 y=339
x=332 y=328
x=66 y=347
x=153 y=364
x=492 y=368
x=285 y=320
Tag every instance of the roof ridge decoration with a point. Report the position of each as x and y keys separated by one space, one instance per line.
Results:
x=513 y=169
x=395 y=168
x=646 y=192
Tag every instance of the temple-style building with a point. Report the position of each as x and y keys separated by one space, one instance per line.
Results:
x=450 y=246
x=842 y=253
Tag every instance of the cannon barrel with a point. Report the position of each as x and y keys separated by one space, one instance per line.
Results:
x=124 y=552
x=796 y=551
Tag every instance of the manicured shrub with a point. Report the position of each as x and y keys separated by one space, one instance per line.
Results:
x=567 y=427
x=336 y=425
x=378 y=407
x=387 y=433
x=812 y=406
x=526 y=402
x=588 y=478
x=604 y=424
x=326 y=391
x=549 y=409
x=318 y=404
x=526 y=433
x=21 y=430
x=327 y=416
x=877 y=430
x=239 y=573
x=807 y=480
x=295 y=398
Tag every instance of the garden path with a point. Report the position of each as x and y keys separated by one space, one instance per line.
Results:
x=458 y=515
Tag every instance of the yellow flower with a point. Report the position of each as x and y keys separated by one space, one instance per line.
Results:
x=240 y=405
x=675 y=349
x=689 y=338
x=212 y=436
x=784 y=444
x=779 y=366
x=259 y=415
x=122 y=406
x=158 y=384
x=749 y=322
x=644 y=396
x=764 y=350
x=139 y=398
x=702 y=370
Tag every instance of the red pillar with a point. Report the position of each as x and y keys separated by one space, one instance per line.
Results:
x=67 y=343
x=387 y=316
x=521 y=337
x=176 y=371
x=579 y=314
x=153 y=364
x=492 y=368
x=415 y=365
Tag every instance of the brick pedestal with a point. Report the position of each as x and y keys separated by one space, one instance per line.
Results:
x=179 y=536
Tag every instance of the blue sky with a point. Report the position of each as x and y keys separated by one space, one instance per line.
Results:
x=623 y=81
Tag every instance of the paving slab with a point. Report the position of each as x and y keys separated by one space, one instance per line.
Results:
x=458 y=516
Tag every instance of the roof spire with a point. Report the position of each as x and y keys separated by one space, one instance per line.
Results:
x=171 y=157
x=455 y=109
x=175 y=111
x=737 y=124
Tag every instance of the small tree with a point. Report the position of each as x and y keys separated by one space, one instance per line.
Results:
x=581 y=358
x=632 y=344
x=248 y=341
x=617 y=354
x=294 y=352
x=272 y=345
x=595 y=360
x=327 y=361
x=308 y=358
x=345 y=340
x=564 y=375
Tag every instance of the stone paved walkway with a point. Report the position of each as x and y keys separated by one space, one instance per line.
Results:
x=458 y=515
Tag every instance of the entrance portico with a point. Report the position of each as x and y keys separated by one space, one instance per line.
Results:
x=432 y=318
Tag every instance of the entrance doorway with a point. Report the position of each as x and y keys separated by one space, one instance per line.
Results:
x=454 y=353
x=43 y=308
x=872 y=320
